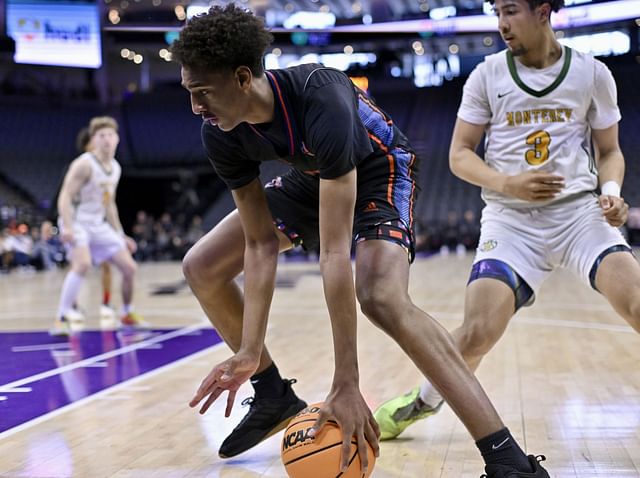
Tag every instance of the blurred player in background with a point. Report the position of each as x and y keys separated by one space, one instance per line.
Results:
x=107 y=313
x=90 y=226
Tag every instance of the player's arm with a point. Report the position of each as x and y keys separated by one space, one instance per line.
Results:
x=260 y=261
x=337 y=136
x=337 y=202
x=344 y=403
x=77 y=176
x=113 y=218
x=611 y=169
x=467 y=165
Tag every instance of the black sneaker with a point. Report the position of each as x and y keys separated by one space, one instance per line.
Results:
x=266 y=416
x=502 y=471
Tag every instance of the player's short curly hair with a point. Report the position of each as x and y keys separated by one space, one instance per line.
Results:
x=555 y=4
x=224 y=38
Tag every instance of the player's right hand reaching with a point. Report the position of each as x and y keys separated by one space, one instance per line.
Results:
x=533 y=186
x=228 y=375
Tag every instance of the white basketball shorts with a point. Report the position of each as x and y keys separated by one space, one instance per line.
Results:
x=536 y=241
x=102 y=239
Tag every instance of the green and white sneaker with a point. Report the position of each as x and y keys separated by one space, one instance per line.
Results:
x=395 y=415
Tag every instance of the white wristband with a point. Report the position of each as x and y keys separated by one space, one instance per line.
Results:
x=610 y=188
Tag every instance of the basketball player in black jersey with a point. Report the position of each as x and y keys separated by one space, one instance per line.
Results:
x=352 y=178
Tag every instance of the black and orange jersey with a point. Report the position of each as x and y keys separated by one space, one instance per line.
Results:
x=323 y=124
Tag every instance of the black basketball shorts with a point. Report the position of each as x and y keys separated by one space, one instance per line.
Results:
x=384 y=202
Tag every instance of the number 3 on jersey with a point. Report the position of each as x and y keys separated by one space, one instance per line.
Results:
x=540 y=140
x=106 y=196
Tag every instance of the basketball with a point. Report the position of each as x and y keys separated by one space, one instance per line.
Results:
x=308 y=457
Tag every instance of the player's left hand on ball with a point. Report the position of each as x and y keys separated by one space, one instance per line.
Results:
x=228 y=375
x=347 y=407
x=615 y=210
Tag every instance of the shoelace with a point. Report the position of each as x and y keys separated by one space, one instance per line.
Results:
x=247 y=401
x=251 y=400
x=539 y=458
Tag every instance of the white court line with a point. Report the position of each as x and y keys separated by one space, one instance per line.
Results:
x=63 y=353
x=2 y=399
x=101 y=357
x=36 y=348
x=16 y=390
x=46 y=313
x=116 y=398
x=573 y=324
x=541 y=305
x=577 y=325
x=140 y=388
x=101 y=394
x=568 y=306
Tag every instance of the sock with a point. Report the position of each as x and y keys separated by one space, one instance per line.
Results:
x=126 y=308
x=106 y=298
x=500 y=448
x=429 y=395
x=69 y=294
x=268 y=383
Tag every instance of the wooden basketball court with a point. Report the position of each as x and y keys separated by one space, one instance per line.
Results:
x=565 y=379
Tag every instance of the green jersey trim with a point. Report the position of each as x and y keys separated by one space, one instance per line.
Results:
x=539 y=93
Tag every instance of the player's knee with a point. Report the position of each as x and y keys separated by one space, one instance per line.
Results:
x=372 y=306
x=191 y=267
x=379 y=306
x=130 y=269
x=81 y=268
x=195 y=271
x=476 y=339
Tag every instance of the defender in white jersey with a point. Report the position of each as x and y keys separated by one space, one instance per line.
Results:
x=107 y=313
x=90 y=226
x=543 y=108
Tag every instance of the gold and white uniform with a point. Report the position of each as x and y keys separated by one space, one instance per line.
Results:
x=90 y=227
x=541 y=119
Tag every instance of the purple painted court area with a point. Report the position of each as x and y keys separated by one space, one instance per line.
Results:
x=40 y=373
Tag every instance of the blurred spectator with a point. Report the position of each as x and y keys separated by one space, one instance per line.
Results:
x=633 y=225
x=166 y=222
x=165 y=239
x=425 y=236
x=20 y=246
x=195 y=231
x=469 y=230
x=48 y=250
x=186 y=197
x=142 y=233
x=162 y=240
x=5 y=254
x=451 y=235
